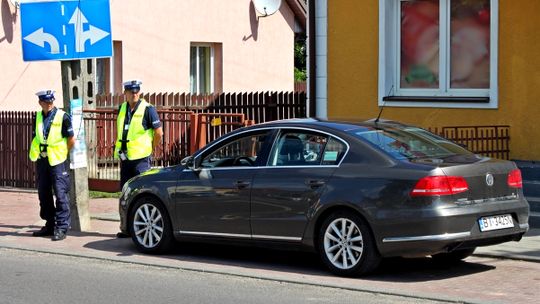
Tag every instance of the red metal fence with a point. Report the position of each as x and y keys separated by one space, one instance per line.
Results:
x=189 y=122
x=492 y=141
x=16 y=169
x=258 y=106
x=184 y=133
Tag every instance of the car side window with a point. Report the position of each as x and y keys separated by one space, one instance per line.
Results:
x=241 y=152
x=334 y=152
x=298 y=148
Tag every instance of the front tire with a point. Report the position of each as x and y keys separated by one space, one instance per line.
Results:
x=150 y=226
x=346 y=245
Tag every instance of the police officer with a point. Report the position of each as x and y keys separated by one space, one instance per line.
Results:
x=139 y=132
x=53 y=138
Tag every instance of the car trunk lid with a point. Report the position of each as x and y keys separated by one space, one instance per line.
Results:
x=487 y=178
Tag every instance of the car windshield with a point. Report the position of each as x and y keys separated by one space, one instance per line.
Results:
x=409 y=142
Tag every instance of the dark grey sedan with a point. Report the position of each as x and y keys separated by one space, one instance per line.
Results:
x=353 y=192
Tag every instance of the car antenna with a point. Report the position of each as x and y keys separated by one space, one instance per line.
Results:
x=384 y=103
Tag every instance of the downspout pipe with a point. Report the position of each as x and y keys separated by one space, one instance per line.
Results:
x=311 y=34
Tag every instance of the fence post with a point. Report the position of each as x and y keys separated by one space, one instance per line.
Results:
x=194 y=123
x=271 y=105
x=202 y=136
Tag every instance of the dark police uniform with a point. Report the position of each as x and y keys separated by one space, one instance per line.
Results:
x=55 y=178
x=131 y=168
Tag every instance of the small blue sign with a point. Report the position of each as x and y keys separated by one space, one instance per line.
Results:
x=66 y=30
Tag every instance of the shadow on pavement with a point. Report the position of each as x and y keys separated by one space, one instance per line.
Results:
x=28 y=229
x=224 y=255
x=305 y=263
x=409 y=270
x=532 y=232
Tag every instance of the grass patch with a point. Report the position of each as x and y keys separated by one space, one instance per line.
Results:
x=99 y=194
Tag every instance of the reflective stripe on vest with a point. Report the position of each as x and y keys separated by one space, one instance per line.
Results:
x=140 y=141
x=57 y=148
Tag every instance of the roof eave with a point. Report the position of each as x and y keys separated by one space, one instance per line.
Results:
x=299 y=9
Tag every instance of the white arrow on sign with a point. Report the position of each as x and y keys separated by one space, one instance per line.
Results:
x=93 y=34
x=39 y=38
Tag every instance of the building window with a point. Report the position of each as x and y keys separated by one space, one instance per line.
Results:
x=109 y=72
x=201 y=71
x=438 y=53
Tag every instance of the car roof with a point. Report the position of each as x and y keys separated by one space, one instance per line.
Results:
x=341 y=125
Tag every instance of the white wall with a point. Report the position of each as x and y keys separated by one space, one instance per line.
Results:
x=156 y=38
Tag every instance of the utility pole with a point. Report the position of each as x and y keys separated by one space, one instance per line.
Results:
x=79 y=82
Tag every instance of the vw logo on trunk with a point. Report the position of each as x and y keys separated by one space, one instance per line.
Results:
x=489 y=179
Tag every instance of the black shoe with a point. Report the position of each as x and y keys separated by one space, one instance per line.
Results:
x=122 y=235
x=44 y=231
x=58 y=235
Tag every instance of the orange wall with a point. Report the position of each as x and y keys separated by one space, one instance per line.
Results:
x=353 y=74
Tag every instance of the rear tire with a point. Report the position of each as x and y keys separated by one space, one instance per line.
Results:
x=346 y=245
x=150 y=226
x=454 y=256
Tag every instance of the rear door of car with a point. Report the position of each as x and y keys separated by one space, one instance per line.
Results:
x=214 y=199
x=300 y=163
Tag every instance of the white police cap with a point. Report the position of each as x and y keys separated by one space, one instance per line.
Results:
x=132 y=85
x=46 y=95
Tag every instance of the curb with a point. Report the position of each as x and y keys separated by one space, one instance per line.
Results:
x=110 y=217
x=515 y=257
x=19 y=190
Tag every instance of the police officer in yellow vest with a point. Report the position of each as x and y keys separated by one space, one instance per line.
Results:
x=53 y=138
x=139 y=132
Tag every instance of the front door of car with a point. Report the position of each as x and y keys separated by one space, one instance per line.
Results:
x=212 y=199
x=299 y=166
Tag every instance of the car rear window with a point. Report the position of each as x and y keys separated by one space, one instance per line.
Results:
x=409 y=142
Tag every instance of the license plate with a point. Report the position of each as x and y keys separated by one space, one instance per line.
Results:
x=495 y=222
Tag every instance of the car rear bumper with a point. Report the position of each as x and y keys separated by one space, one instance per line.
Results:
x=433 y=231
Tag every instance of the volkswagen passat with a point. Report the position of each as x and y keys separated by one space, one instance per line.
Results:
x=353 y=192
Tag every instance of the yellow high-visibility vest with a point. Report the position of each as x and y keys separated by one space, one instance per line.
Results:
x=57 y=147
x=140 y=141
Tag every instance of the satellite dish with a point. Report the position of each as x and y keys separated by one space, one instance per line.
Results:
x=267 y=7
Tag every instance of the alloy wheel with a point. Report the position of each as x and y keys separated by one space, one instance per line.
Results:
x=148 y=225
x=343 y=243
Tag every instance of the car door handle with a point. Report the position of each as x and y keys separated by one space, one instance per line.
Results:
x=241 y=184
x=315 y=183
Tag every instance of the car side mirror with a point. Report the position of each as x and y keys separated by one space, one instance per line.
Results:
x=188 y=161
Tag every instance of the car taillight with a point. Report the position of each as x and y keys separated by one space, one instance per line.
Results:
x=514 y=179
x=440 y=185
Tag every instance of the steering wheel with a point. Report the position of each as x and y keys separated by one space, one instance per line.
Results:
x=243 y=161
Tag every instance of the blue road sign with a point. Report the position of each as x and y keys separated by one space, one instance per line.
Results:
x=66 y=30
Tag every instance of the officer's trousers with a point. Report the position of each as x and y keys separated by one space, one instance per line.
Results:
x=131 y=168
x=55 y=178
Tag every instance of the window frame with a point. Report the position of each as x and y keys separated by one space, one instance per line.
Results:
x=273 y=154
x=274 y=148
x=444 y=97
x=198 y=46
